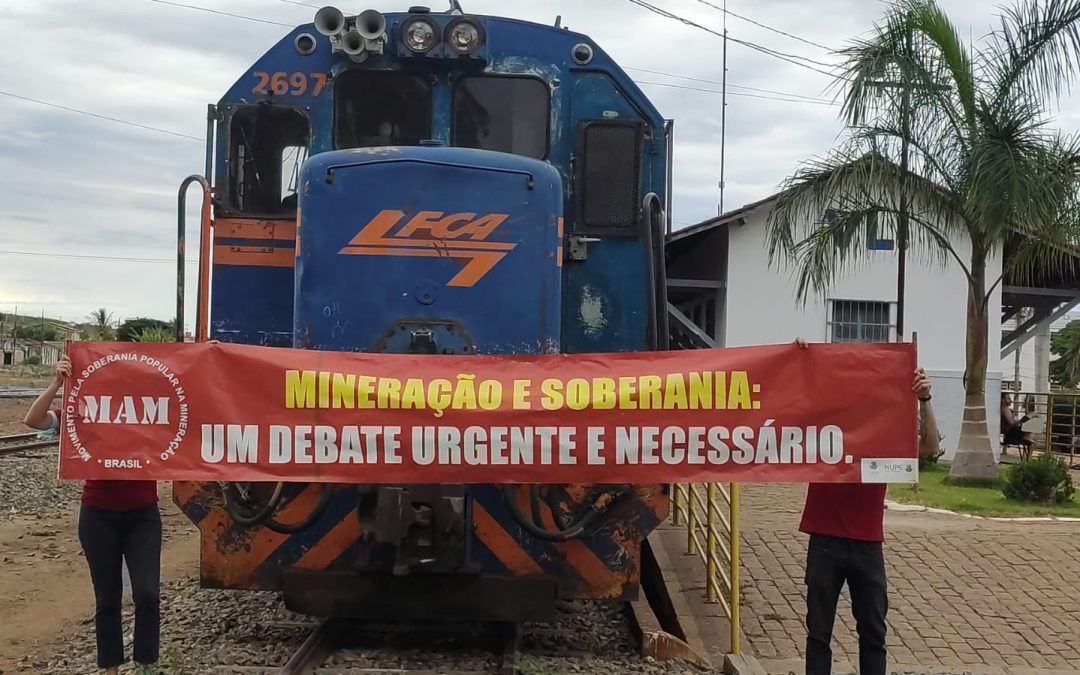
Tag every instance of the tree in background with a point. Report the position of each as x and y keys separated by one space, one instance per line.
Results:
x=163 y=333
x=102 y=325
x=1065 y=345
x=36 y=332
x=131 y=329
x=985 y=168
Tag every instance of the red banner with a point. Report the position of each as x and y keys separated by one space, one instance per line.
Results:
x=830 y=413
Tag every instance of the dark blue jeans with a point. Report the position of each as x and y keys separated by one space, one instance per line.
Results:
x=110 y=538
x=830 y=562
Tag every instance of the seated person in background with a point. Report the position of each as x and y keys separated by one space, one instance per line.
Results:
x=1012 y=429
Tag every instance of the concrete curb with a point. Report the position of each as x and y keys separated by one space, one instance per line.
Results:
x=795 y=667
x=917 y=508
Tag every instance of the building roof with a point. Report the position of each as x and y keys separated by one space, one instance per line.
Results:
x=721 y=220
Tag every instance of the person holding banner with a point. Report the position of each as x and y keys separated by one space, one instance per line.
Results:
x=118 y=521
x=845 y=524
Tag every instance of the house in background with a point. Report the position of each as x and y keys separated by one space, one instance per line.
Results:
x=724 y=292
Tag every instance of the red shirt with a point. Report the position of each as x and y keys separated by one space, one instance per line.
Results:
x=115 y=495
x=848 y=510
x=119 y=495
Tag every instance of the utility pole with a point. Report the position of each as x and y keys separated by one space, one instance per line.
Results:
x=903 y=220
x=723 y=117
x=902 y=223
x=15 y=337
x=43 y=337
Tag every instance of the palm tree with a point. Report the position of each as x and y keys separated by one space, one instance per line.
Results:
x=985 y=169
x=102 y=325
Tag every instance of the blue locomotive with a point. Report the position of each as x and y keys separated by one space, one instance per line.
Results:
x=433 y=183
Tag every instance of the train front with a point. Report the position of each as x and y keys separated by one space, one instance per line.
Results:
x=433 y=183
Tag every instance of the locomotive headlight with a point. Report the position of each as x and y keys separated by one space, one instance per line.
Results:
x=464 y=37
x=419 y=35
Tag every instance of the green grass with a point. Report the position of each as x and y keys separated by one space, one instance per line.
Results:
x=980 y=501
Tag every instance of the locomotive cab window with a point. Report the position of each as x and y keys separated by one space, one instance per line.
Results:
x=267 y=147
x=378 y=108
x=610 y=178
x=506 y=114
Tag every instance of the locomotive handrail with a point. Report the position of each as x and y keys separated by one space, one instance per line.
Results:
x=202 y=308
x=654 y=217
x=530 y=179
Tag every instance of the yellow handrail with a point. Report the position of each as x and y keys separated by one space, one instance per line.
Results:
x=710 y=514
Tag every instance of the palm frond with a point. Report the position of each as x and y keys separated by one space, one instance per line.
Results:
x=914 y=47
x=1035 y=49
x=934 y=28
x=819 y=223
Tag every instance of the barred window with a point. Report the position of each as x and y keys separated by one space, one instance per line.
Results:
x=860 y=321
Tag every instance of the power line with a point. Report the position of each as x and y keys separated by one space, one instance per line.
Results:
x=793 y=58
x=215 y=11
x=734 y=93
x=766 y=27
x=770 y=52
x=817 y=99
x=99 y=116
x=109 y=258
x=783 y=56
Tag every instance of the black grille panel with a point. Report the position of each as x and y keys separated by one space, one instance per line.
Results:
x=611 y=177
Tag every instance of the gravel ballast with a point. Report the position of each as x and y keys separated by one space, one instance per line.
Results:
x=208 y=631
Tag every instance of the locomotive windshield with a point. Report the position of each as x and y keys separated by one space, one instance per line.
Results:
x=268 y=145
x=377 y=108
x=506 y=114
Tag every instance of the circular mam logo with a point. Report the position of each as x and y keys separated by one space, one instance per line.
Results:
x=125 y=411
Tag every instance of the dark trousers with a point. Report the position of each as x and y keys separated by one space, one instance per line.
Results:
x=109 y=538
x=831 y=561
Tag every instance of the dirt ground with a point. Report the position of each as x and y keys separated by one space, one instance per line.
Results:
x=11 y=414
x=45 y=585
x=45 y=589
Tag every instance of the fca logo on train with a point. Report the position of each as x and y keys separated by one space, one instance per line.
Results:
x=435 y=234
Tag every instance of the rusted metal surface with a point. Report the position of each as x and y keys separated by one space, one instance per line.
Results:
x=603 y=565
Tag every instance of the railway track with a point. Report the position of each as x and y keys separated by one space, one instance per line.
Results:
x=342 y=646
x=19 y=443
x=332 y=648
x=20 y=393
x=585 y=637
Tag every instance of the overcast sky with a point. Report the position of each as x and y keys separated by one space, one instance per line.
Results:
x=74 y=185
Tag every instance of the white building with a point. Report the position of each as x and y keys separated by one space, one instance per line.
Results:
x=723 y=287
x=1026 y=369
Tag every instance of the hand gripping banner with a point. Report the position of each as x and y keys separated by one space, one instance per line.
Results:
x=830 y=413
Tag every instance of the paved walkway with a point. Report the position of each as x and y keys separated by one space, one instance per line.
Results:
x=981 y=594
